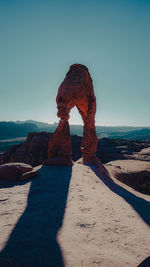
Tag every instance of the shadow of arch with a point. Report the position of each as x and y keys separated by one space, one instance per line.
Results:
x=33 y=241
x=140 y=205
x=145 y=263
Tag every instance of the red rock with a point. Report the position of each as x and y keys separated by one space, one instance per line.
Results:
x=28 y=175
x=76 y=90
x=60 y=150
x=12 y=171
x=33 y=151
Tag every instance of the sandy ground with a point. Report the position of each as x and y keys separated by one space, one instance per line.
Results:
x=129 y=165
x=73 y=217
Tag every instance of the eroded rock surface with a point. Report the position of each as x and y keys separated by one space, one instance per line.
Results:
x=17 y=171
x=35 y=149
x=134 y=173
x=13 y=170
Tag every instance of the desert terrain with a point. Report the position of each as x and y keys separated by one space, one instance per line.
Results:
x=74 y=216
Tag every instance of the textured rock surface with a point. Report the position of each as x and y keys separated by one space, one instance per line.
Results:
x=76 y=90
x=134 y=173
x=73 y=217
x=144 y=154
x=60 y=149
x=28 y=175
x=12 y=171
x=114 y=149
x=35 y=149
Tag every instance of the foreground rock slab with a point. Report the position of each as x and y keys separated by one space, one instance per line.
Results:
x=72 y=216
x=135 y=173
x=17 y=171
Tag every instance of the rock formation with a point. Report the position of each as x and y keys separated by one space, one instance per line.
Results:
x=35 y=149
x=17 y=171
x=134 y=173
x=76 y=90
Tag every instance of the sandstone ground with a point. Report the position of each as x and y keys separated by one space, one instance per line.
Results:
x=72 y=216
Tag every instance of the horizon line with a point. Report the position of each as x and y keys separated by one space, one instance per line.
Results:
x=52 y=123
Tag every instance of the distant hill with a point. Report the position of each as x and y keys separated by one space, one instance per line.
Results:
x=12 y=129
x=22 y=128
x=140 y=134
x=39 y=124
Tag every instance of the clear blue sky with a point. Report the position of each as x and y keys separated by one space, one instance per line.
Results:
x=40 y=39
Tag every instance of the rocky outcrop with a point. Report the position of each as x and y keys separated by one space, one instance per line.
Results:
x=60 y=149
x=114 y=149
x=76 y=90
x=17 y=171
x=134 y=173
x=35 y=149
x=144 y=154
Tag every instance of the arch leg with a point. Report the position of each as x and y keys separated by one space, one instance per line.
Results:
x=89 y=141
x=59 y=148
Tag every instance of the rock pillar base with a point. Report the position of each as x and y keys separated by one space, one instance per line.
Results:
x=60 y=149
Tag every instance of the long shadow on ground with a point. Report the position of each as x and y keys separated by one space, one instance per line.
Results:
x=145 y=263
x=140 y=205
x=33 y=242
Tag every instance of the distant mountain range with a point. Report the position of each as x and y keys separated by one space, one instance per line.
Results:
x=13 y=129
x=9 y=130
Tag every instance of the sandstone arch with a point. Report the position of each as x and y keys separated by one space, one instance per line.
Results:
x=76 y=90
